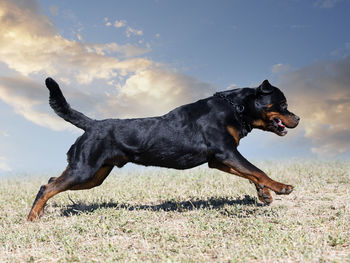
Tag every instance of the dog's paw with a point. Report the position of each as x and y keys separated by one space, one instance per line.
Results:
x=33 y=216
x=285 y=190
x=264 y=195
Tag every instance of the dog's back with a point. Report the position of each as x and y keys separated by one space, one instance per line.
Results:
x=147 y=141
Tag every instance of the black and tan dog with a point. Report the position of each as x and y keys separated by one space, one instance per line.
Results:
x=207 y=131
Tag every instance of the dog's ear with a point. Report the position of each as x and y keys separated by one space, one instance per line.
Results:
x=265 y=87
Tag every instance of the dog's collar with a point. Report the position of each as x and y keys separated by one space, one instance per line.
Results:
x=239 y=109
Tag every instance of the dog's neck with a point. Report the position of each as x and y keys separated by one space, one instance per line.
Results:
x=238 y=108
x=246 y=125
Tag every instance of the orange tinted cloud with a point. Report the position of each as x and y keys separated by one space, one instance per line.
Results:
x=320 y=94
x=133 y=86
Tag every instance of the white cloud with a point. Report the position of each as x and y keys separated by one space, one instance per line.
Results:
x=26 y=97
x=119 y=24
x=107 y=22
x=320 y=94
x=155 y=92
x=126 y=50
x=145 y=93
x=31 y=46
x=132 y=31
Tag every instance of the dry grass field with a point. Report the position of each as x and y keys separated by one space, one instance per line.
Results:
x=200 y=215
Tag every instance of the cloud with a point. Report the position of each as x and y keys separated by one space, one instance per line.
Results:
x=29 y=44
x=120 y=23
x=132 y=31
x=126 y=50
x=107 y=22
x=93 y=77
x=26 y=97
x=155 y=92
x=320 y=94
x=146 y=93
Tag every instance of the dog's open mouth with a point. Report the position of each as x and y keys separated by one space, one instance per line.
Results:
x=279 y=126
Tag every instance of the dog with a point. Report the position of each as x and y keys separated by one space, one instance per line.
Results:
x=206 y=131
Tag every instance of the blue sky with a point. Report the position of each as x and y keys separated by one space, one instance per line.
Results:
x=143 y=58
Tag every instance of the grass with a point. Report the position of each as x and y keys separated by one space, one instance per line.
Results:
x=200 y=215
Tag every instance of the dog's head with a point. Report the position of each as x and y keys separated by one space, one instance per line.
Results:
x=270 y=110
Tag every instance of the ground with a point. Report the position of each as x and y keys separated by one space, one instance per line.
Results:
x=199 y=215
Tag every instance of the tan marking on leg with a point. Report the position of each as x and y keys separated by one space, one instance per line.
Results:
x=277 y=187
x=257 y=177
x=263 y=192
x=223 y=167
x=47 y=191
x=96 y=180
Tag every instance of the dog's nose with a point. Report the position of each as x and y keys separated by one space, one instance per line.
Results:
x=297 y=118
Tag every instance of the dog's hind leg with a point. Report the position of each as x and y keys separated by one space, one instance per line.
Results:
x=69 y=180
x=52 y=179
x=55 y=186
x=96 y=180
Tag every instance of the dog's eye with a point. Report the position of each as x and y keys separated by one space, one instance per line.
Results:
x=284 y=106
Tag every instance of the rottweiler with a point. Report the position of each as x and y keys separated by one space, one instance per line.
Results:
x=206 y=131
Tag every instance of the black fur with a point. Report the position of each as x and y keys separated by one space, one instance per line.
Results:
x=59 y=104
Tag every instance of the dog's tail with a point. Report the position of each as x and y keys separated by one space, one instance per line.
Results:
x=59 y=104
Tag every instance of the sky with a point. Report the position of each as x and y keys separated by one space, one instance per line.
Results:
x=131 y=58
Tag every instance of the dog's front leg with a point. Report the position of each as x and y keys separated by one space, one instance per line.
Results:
x=233 y=162
x=264 y=194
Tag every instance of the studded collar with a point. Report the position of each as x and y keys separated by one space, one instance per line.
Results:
x=239 y=110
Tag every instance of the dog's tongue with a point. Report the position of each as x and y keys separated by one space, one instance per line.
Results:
x=280 y=123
